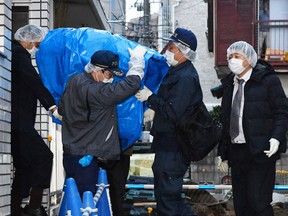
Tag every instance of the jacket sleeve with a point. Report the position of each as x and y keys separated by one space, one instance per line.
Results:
x=32 y=80
x=279 y=105
x=182 y=95
x=116 y=92
x=224 y=143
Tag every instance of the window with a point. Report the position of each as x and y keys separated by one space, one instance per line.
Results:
x=20 y=17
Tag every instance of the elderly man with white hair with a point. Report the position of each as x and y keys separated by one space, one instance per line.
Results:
x=254 y=118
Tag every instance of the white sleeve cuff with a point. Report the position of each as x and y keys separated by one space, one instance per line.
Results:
x=52 y=107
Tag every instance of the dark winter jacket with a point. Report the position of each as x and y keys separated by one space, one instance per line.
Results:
x=89 y=124
x=179 y=92
x=265 y=113
x=27 y=87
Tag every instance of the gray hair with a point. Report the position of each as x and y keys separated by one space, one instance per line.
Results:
x=90 y=68
x=187 y=52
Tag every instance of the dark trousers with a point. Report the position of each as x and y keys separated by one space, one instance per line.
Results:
x=86 y=178
x=252 y=183
x=117 y=173
x=169 y=169
x=33 y=161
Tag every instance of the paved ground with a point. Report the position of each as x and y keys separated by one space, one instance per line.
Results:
x=208 y=211
x=281 y=212
x=204 y=204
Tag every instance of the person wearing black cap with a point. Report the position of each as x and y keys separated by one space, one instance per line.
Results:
x=88 y=107
x=178 y=93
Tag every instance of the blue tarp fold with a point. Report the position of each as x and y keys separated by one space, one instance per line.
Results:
x=65 y=52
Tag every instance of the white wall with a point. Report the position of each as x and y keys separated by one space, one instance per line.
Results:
x=193 y=15
x=5 y=106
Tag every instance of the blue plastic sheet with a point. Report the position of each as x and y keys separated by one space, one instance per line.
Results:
x=65 y=52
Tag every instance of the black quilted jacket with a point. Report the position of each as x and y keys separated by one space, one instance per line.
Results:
x=265 y=113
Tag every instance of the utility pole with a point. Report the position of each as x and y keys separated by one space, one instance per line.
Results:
x=146 y=34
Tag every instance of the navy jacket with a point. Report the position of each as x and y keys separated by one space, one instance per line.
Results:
x=265 y=113
x=179 y=92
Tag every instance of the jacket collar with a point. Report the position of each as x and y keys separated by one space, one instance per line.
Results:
x=261 y=69
x=175 y=69
x=89 y=76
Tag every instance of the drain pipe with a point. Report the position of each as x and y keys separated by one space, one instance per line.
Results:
x=173 y=14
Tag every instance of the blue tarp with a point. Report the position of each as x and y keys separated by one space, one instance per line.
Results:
x=66 y=51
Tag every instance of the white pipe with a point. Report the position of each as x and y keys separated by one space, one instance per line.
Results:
x=173 y=14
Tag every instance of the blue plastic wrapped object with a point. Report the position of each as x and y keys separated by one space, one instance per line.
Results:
x=85 y=160
x=65 y=52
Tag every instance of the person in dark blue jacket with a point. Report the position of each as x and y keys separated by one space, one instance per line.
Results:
x=252 y=140
x=179 y=92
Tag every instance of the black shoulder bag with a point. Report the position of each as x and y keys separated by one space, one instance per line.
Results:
x=198 y=133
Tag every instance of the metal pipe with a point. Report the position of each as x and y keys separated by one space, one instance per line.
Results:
x=204 y=187
x=173 y=14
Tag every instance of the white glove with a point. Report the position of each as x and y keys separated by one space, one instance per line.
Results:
x=274 y=145
x=143 y=94
x=57 y=115
x=148 y=115
x=222 y=165
x=138 y=51
x=137 y=63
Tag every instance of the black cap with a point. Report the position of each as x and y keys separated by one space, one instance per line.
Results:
x=185 y=37
x=108 y=61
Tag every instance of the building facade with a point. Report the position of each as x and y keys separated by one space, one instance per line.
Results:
x=5 y=110
x=109 y=15
x=196 y=15
x=48 y=14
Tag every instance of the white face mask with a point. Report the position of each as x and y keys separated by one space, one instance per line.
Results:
x=32 y=51
x=170 y=58
x=236 y=66
x=105 y=80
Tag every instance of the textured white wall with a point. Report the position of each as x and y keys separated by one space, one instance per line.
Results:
x=193 y=15
x=5 y=106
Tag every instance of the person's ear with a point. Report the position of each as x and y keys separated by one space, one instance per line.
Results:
x=245 y=62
